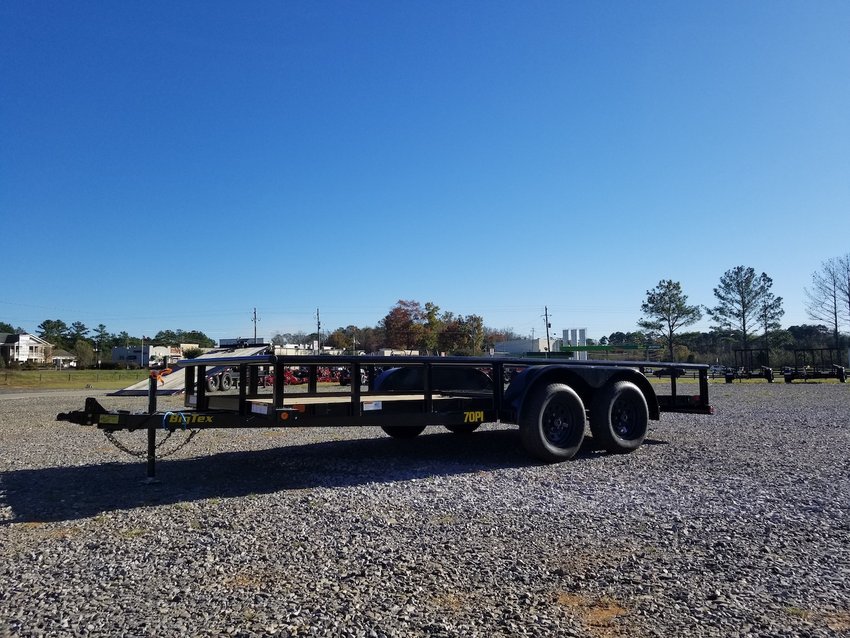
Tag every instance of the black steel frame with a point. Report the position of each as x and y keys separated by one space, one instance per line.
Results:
x=282 y=408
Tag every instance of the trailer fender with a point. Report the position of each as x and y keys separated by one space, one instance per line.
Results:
x=587 y=381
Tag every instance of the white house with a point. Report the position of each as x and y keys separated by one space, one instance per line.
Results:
x=63 y=359
x=24 y=347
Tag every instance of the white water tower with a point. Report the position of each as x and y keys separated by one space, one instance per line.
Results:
x=576 y=337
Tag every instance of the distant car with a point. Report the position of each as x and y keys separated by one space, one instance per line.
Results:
x=668 y=372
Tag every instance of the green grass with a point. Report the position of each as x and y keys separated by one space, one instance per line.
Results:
x=69 y=379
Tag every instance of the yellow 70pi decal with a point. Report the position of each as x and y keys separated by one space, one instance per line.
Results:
x=473 y=417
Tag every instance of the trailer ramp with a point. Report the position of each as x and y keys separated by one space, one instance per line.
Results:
x=175 y=381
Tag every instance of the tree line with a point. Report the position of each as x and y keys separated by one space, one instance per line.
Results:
x=746 y=316
x=412 y=326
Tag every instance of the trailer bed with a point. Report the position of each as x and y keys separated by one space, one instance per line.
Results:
x=551 y=400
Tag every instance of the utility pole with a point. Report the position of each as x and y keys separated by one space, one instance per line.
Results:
x=318 y=331
x=255 y=320
x=548 y=325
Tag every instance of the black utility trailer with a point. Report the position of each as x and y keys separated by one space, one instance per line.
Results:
x=551 y=400
x=750 y=363
x=816 y=363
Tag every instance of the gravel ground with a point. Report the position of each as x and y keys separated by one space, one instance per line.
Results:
x=732 y=525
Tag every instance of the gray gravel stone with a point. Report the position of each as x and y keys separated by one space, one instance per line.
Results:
x=736 y=524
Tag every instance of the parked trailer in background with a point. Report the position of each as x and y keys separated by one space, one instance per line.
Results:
x=550 y=400
x=809 y=363
x=816 y=363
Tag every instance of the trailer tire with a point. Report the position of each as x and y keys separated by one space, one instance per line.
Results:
x=402 y=431
x=552 y=424
x=226 y=382
x=619 y=417
x=212 y=383
x=463 y=428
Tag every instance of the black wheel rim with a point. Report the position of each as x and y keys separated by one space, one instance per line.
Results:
x=625 y=418
x=558 y=424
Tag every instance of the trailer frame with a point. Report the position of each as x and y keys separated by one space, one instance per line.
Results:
x=405 y=394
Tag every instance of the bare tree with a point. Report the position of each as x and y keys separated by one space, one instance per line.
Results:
x=844 y=286
x=824 y=300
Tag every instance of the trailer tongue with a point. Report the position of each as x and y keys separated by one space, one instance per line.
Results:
x=551 y=400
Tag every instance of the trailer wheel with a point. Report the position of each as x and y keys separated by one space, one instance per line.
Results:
x=403 y=432
x=619 y=417
x=463 y=428
x=226 y=382
x=552 y=425
x=212 y=383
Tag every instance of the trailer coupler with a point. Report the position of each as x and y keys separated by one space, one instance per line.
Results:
x=87 y=416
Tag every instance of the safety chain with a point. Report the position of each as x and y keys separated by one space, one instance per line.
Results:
x=143 y=454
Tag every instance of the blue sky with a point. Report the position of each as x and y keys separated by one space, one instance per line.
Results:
x=173 y=165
